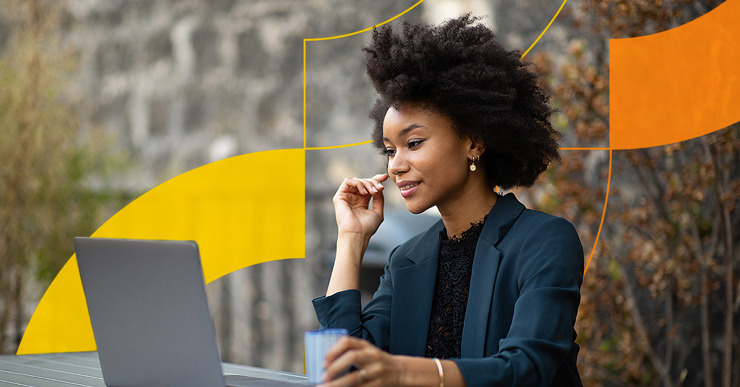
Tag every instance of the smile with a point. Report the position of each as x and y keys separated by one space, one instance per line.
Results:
x=408 y=189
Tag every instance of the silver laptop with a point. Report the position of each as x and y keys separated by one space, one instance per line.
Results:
x=149 y=314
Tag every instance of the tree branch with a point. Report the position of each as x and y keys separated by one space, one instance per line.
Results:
x=642 y=330
x=724 y=210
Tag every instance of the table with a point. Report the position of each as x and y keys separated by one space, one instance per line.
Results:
x=83 y=369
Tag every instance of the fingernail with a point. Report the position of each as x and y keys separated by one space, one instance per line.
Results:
x=374 y=189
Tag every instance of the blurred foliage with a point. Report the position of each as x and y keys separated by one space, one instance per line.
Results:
x=47 y=164
x=661 y=297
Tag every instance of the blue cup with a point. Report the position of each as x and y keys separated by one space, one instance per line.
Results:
x=317 y=345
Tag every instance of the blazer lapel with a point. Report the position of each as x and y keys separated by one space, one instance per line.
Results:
x=413 y=293
x=485 y=267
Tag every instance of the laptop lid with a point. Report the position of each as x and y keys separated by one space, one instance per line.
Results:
x=149 y=313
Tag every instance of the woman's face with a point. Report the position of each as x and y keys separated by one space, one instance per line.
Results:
x=427 y=159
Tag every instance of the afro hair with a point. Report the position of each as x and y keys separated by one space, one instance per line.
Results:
x=458 y=69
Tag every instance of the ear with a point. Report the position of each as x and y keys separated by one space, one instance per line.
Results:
x=477 y=147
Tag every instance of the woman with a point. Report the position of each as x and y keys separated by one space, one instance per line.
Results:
x=488 y=295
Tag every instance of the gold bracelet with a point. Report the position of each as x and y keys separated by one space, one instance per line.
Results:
x=441 y=372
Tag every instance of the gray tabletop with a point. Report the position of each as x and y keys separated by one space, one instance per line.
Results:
x=83 y=369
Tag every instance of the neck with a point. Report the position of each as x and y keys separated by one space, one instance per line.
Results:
x=474 y=203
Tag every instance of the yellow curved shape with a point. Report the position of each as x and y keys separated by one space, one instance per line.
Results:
x=241 y=211
x=338 y=146
x=555 y=16
x=364 y=29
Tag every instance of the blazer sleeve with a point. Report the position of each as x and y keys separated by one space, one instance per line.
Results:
x=541 y=335
x=372 y=323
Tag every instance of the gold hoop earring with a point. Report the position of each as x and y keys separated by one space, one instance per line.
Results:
x=472 y=165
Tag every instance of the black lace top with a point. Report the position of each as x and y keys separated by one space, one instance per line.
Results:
x=451 y=292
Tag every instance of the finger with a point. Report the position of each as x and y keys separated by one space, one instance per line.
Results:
x=377 y=180
x=378 y=203
x=358 y=357
x=373 y=374
x=354 y=185
x=354 y=378
x=362 y=186
x=381 y=177
x=371 y=185
x=346 y=186
x=341 y=364
x=377 y=382
x=342 y=345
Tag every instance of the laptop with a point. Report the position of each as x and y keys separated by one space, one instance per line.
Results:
x=149 y=314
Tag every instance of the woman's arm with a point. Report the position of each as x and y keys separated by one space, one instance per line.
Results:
x=342 y=310
x=346 y=272
x=539 y=347
x=356 y=223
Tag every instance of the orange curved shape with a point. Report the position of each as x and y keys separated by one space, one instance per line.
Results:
x=678 y=84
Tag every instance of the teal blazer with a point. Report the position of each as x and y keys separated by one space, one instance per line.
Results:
x=522 y=304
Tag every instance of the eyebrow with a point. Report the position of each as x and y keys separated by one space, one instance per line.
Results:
x=406 y=130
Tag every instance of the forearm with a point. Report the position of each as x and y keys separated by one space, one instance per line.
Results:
x=423 y=372
x=346 y=272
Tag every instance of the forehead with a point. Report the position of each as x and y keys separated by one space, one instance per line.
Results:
x=407 y=118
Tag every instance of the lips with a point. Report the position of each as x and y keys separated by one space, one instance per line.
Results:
x=407 y=187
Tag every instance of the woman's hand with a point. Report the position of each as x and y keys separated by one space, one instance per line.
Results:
x=351 y=205
x=375 y=367
x=357 y=223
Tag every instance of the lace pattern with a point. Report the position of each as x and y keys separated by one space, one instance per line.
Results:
x=451 y=292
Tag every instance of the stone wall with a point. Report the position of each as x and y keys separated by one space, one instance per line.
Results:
x=182 y=83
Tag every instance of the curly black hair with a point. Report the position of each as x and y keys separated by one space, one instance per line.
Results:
x=459 y=70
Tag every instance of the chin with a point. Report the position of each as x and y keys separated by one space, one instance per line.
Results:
x=416 y=209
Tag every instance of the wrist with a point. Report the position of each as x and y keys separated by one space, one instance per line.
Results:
x=417 y=371
x=405 y=376
x=350 y=249
x=353 y=240
x=351 y=235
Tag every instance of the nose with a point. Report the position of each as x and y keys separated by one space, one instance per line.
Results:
x=397 y=164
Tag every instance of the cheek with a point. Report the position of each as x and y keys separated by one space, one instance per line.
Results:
x=454 y=163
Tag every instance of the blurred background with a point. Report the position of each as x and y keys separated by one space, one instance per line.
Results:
x=101 y=100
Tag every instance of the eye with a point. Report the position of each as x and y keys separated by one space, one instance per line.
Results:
x=388 y=152
x=414 y=143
